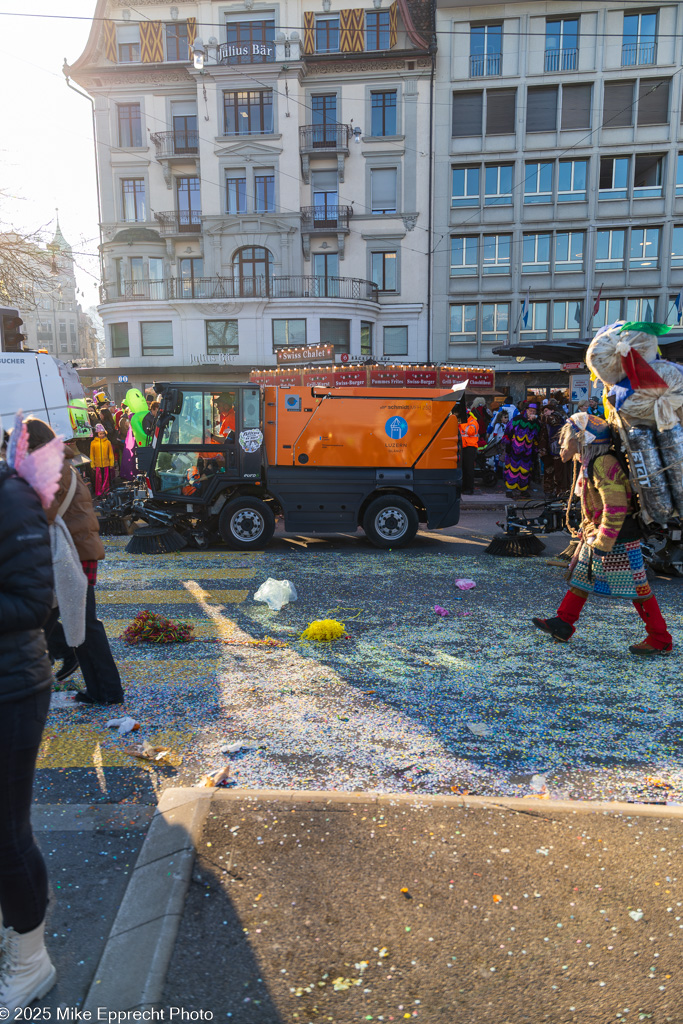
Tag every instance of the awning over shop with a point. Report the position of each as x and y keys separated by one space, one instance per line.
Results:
x=574 y=349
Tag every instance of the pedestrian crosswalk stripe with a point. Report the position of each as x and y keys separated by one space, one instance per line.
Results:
x=150 y=597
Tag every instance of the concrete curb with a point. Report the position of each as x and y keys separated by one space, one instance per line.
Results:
x=528 y=805
x=132 y=969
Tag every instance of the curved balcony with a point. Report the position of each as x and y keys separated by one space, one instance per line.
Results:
x=291 y=287
x=323 y=140
x=185 y=222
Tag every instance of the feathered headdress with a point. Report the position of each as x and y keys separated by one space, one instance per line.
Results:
x=42 y=469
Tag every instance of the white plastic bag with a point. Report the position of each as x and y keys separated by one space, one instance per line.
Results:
x=276 y=593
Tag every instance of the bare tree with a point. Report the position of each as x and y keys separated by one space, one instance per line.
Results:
x=25 y=268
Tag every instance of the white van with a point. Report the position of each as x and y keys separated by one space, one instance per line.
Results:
x=43 y=386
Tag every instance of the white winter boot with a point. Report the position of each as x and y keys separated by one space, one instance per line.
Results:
x=26 y=971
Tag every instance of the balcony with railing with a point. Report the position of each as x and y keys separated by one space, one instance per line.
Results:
x=562 y=60
x=261 y=287
x=183 y=222
x=484 y=64
x=323 y=140
x=179 y=144
x=634 y=54
x=325 y=220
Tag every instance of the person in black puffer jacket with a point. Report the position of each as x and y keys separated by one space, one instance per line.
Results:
x=25 y=688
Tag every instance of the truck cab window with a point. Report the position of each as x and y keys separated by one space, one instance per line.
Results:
x=187 y=426
x=223 y=408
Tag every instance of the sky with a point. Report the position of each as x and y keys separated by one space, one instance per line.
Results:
x=46 y=148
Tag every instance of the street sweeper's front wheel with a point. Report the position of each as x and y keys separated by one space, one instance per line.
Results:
x=246 y=523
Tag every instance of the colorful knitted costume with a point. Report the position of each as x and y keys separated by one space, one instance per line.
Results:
x=521 y=444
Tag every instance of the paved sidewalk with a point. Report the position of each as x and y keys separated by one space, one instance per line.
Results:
x=368 y=907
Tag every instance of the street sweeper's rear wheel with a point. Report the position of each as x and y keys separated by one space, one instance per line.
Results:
x=390 y=522
x=246 y=523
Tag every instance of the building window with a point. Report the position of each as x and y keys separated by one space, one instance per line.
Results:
x=191 y=284
x=157 y=287
x=538 y=183
x=327 y=35
x=498 y=185
x=252 y=270
x=289 y=333
x=251 y=42
x=130 y=125
x=567 y=317
x=641 y=310
x=648 y=176
x=463 y=329
x=577 y=106
x=222 y=337
x=571 y=181
x=133 y=199
x=72 y=336
x=118 y=336
x=644 y=254
x=677 y=247
x=264 y=193
x=326 y=273
x=464 y=255
x=337 y=333
x=562 y=44
x=384 y=270
x=500 y=111
x=236 y=195
x=157 y=338
x=653 y=101
x=569 y=247
x=679 y=175
x=249 y=112
x=610 y=248
x=486 y=47
x=609 y=311
x=324 y=116
x=465 y=185
x=128 y=43
x=366 y=328
x=189 y=200
x=536 y=254
x=383 y=117
x=62 y=335
x=495 y=322
x=617 y=110
x=176 y=41
x=496 y=254
x=639 y=42
x=541 y=108
x=395 y=341
x=468 y=108
x=613 y=177
x=377 y=33
x=536 y=326
x=383 y=190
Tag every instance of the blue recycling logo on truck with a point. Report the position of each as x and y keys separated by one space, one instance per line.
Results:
x=396 y=428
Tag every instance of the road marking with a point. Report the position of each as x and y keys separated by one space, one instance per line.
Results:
x=89 y=817
x=142 y=575
x=168 y=597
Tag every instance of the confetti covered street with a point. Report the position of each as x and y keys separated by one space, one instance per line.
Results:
x=475 y=701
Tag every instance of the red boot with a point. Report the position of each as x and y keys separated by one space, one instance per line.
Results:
x=659 y=640
x=561 y=627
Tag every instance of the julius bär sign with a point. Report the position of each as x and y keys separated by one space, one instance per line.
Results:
x=305 y=354
x=234 y=53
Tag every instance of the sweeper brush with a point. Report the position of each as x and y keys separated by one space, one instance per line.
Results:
x=155 y=540
x=515 y=545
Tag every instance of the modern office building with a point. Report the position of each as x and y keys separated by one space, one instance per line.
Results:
x=558 y=174
x=264 y=175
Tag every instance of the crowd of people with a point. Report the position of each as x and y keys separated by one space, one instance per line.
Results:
x=522 y=443
x=112 y=441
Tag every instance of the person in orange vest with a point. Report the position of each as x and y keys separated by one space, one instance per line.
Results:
x=102 y=459
x=469 y=433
